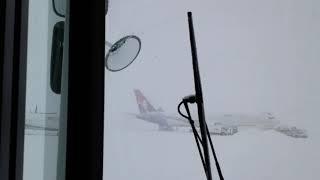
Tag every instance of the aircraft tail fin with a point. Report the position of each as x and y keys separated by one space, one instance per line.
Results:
x=143 y=103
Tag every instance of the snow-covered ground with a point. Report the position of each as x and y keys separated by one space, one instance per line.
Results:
x=137 y=150
x=40 y=156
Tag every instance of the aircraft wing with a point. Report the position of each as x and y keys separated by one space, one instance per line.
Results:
x=176 y=121
x=47 y=124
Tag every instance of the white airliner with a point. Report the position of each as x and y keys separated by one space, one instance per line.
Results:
x=40 y=121
x=220 y=124
x=157 y=116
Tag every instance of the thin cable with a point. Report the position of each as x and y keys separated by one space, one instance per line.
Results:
x=195 y=133
x=198 y=137
x=214 y=154
x=190 y=121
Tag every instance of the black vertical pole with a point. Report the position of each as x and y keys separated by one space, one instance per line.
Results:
x=199 y=98
x=13 y=56
x=86 y=43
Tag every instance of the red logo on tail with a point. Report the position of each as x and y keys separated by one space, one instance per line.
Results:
x=144 y=105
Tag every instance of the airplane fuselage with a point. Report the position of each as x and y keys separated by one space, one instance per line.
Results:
x=162 y=120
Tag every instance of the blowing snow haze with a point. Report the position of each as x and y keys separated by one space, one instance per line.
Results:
x=254 y=57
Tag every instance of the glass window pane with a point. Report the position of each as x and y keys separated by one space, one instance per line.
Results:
x=44 y=137
x=259 y=69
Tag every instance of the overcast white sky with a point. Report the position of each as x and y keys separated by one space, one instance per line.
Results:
x=255 y=56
